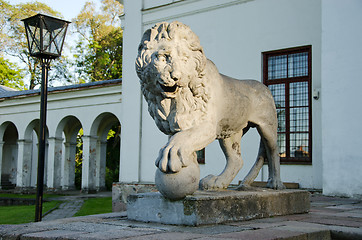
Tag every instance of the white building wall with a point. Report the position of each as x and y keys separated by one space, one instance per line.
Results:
x=233 y=34
x=341 y=97
x=131 y=98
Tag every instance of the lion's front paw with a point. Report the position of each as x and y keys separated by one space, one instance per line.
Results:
x=172 y=158
x=168 y=162
x=212 y=182
x=275 y=184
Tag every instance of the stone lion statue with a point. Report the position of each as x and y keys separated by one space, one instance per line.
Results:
x=194 y=104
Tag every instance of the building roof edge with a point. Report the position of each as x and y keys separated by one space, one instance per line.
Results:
x=13 y=94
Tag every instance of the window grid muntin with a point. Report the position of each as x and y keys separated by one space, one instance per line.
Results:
x=297 y=100
x=298 y=64
x=298 y=94
x=277 y=67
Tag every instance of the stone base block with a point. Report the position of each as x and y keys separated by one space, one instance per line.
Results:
x=206 y=207
x=120 y=192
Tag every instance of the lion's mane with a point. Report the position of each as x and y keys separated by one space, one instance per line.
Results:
x=190 y=105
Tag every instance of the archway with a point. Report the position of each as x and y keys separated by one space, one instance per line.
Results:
x=8 y=155
x=28 y=157
x=66 y=153
x=107 y=149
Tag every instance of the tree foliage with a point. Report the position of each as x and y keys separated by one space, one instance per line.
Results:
x=112 y=157
x=13 y=34
x=10 y=75
x=98 y=52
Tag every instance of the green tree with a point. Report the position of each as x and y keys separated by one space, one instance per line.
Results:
x=98 y=52
x=112 y=157
x=10 y=75
x=79 y=160
x=13 y=39
x=5 y=8
x=113 y=154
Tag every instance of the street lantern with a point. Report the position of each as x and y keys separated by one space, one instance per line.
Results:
x=45 y=37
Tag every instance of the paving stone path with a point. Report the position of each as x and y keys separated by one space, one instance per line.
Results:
x=70 y=205
x=66 y=209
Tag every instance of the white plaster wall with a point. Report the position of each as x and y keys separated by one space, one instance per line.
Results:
x=341 y=97
x=156 y=3
x=152 y=140
x=131 y=97
x=234 y=34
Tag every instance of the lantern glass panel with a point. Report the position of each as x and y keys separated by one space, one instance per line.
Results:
x=34 y=38
x=58 y=41
x=45 y=35
x=53 y=36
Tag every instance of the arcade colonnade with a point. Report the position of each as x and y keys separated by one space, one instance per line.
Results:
x=93 y=107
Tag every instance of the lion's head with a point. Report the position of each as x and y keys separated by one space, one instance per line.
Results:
x=170 y=65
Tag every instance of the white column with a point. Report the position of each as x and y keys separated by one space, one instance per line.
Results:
x=34 y=164
x=89 y=163
x=54 y=162
x=131 y=94
x=1 y=159
x=101 y=165
x=68 y=168
x=23 y=163
x=14 y=162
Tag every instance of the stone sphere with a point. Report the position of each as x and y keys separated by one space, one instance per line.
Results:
x=176 y=186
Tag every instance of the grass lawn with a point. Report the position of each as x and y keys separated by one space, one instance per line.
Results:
x=22 y=214
x=26 y=214
x=95 y=206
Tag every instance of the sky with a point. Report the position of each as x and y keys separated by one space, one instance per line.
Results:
x=68 y=8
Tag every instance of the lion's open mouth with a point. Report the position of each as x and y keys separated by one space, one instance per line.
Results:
x=169 y=89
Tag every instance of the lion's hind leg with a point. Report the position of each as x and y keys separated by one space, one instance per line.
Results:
x=268 y=134
x=254 y=171
x=234 y=162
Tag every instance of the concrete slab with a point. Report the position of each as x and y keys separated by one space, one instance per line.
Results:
x=270 y=234
x=118 y=234
x=308 y=226
x=350 y=233
x=53 y=234
x=168 y=236
x=207 y=207
x=335 y=221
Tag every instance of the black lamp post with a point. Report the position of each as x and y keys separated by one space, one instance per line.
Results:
x=45 y=36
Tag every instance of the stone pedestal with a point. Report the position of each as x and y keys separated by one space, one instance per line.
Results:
x=206 y=207
x=121 y=191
